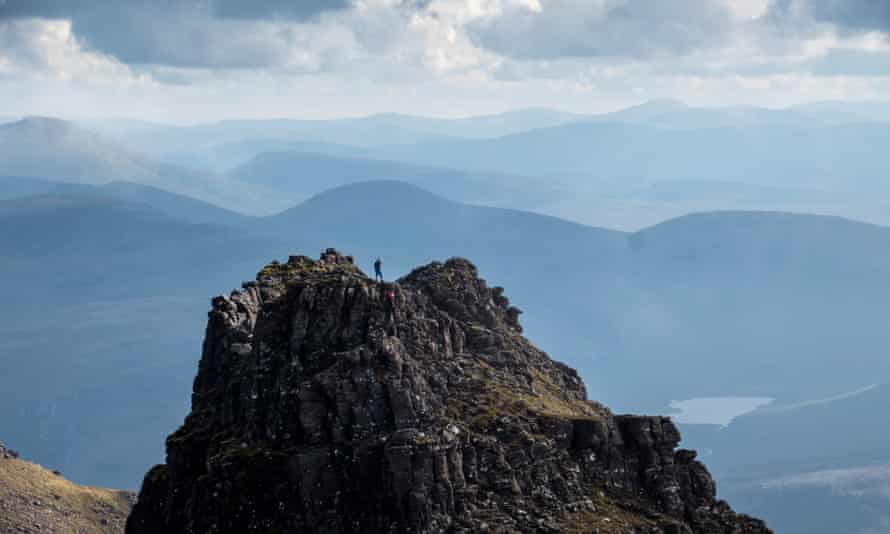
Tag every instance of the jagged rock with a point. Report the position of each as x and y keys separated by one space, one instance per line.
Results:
x=7 y=454
x=324 y=405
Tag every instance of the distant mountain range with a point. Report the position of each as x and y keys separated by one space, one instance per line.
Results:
x=47 y=147
x=205 y=144
x=677 y=115
x=291 y=177
x=623 y=175
x=373 y=130
x=51 y=149
x=838 y=158
x=178 y=207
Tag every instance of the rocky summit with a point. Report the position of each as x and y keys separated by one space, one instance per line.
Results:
x=326 y=402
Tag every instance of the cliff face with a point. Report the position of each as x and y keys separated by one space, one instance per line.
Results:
x=328 y=403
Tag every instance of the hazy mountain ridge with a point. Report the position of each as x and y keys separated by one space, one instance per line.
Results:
x=673 y=114
x=227 y=157
x=838 y=158
x=45 y=148
x=291 y=177
x=390 y=128
x=360 y=132
x=176 y=206
x=597 y=173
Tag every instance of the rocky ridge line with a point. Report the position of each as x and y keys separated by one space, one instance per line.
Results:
x=324 y=405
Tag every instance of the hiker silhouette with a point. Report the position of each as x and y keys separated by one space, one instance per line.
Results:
x=378 y=273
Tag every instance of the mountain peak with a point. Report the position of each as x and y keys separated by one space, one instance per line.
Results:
x=44 y=119
x=660 y=105
x=456 y=285
x=351 y=199
x=665 y=102
x=44 y=125
x=328 y=401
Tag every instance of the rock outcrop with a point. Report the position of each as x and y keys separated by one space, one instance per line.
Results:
x=7 y=454
x=328 y=403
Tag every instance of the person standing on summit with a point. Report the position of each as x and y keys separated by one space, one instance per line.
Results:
x=378 y=273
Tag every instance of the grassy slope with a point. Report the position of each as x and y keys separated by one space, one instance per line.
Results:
x=34 y=499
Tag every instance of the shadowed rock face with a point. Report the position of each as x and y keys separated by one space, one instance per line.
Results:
x=328 y=403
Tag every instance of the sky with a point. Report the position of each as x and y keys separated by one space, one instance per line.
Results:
x=196 y=60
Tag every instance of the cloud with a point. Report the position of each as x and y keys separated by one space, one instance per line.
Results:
x=848 y=15
x=189 y=33
x=637 y=29
x=43 y=49
x=852 y=63
x=318 y=58
x=24 y=43
x=856 y=15
x=44 y=70
x=300 y=10
x=861 y=481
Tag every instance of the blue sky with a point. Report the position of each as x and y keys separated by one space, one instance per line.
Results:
x=195 y=60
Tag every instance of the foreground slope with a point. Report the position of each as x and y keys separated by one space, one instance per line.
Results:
x=326 y=402
x=34 y=499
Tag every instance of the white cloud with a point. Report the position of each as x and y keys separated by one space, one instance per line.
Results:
x=861 y=481
x=47 y=49
x=446 y=57
x=748 y=9
x=603 y=28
